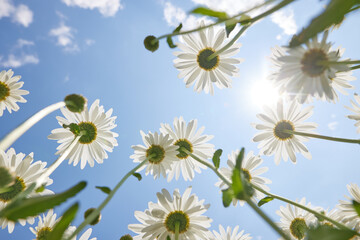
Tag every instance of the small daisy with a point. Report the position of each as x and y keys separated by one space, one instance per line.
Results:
x=194 y=65
x=356 y=110
x=272 y=138
x=229 y=234
x=10 y=91
x=163 y=153
x=347 y=210
x=160 y=219
x=295 y=221
x=300 y=73
x=98 y=138
x=26 y=172
x=249 y=164
x=46 y=224
x=188 y=137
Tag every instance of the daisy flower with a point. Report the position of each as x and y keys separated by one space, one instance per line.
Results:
x=300 y=73
x=272 y=138
x=230 y=234
x=249 y=165
x=10 y=91
x=347 y=210
x=46 y=224
x=295 y=221
x=98 y=138
x=159 y=221
x=163 y=153
x=187 y=136
x=356 y=110
x=194 y=65
x=26 y=172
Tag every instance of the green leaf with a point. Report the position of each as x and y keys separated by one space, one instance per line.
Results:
x=210 y=13
x=329 y=233
x=138 y=176
x=5 y=177
x=216 y=158
x=168 y=237
x=237 y=185
x=240 y=158
x=40 y=189
x=227 y=197
x=229 y=27
x=34 y=206
x=333 y=14
x=106 y=190
x=169 y=39
x=61 y=226
x=265 y=200
x=356 y=206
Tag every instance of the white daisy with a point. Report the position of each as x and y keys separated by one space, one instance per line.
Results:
x=98 y=138
x=356 y=110
x=163 y=153
x=10 y=91
x=194 y=65
x=347 y=210
x=295 y=221
x=272 y=138
x=300 y=73
x=46 y=224
x=160 y=219
x=249 y=165
x=26 y=172
x=188 y=137
x=230 y=234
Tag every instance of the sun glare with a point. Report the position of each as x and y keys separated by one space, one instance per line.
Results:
x=263 y=93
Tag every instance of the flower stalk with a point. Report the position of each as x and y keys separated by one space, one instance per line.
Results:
x=346 y=140
x=177 y=227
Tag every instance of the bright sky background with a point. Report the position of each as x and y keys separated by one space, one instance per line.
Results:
x=71 y=46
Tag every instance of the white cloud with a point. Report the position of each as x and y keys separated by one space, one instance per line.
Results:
x=67 y=78
x=19 y=14
x=89 y=42
x=107 y=8
x=285 y=20
x=18 y=61
x=22 y=42
x=65 y=37
x=333 y=125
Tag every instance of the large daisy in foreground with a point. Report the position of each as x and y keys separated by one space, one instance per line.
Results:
x=162 y=218
x=196 y=67
x=188 y=137
x=273 y=139
x=230 y=234
x=26 y=172
x=96 y=124
x=10 y=91
x=310 y=71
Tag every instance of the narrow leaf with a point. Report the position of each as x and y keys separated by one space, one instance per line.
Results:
x=329 y=233
x=240 y=158
x=209 y=12
x=5 y=177
x=61 y=226
x=229 y=27
x=216 y=158
x=237 y=185
x=169 y=39
x=356 y=206
x=138 y=176
x=36 y=205
x=106 y=190
x=265 y=200
x=227 y=197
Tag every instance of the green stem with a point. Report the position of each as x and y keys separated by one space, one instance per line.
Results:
x=5 y=189
x=11 y=137
x=97 y=211
x=322 y=216
x=327 y=63
x=267 y=219
x=177 y=228
x=230 y=43
x=346 y=140
x=355 y=67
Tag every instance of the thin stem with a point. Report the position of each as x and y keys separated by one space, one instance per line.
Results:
x=58 y=161
x=267 y=219
x=177 y=228
x=320 y=215
x=346 y=140
x=5 y=189
x=355 y=67
x=11 y=137
x=97 y=211
x=230 y=43
x=327 y=63
x=182 y=149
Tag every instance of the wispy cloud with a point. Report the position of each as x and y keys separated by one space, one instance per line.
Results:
x=333 y=125
x=20 y=54
x=89 y=42
x=107 y=8
x=65 y=37
x=19 y=14
x=285 y=20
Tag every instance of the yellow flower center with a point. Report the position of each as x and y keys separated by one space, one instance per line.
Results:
x=279 y=130
x=185 y=144
x=177 y=217
x=43 y=233
x=310 y=62
x=15 y=189
x=4 y=91
x=89 y=130
x=157 y=152
x=298 y=228
x=204 y=63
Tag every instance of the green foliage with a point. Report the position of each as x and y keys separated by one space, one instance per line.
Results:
x=106 y=190
x=96 y=219
x=169 y=39
x=75 y=103
x=328 y=233
x=216 y=158
x=357 y=207
x=5 y=177
x=22 y=208
x=151 y=43
x=40 y=189
x=211 y=13
x=61 y=226
x=138 y=176
x=240 y=158
x=227 y=196
x=332 y=15
x=265 y=200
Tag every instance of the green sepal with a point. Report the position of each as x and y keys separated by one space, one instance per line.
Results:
x=356 y=207
x=211 y=13
x=23 y=208
x=73 y=127
x=328 y=233
x=237 y=185
x=106 y=190
x=40 y=189
x=61 y=226
x=151 y=43
x=169 y=39
x=265 y=200
x=230 y=26
x=240 y=158
x=138 y=176
x=227 y=197
x=216 y=158
x=5 y=177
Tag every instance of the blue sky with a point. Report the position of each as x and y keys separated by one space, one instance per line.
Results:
x=66 y=46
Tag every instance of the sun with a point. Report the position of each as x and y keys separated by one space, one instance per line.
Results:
x=263 y=93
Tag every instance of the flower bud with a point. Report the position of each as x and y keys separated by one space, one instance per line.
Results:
x=151 y=43
x=126 y=237
x=75 y=103
x=96 y=220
